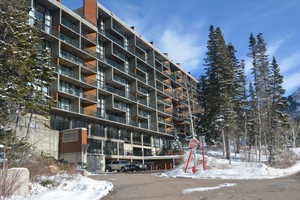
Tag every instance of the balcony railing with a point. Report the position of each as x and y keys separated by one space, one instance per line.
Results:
x=116 y=118
x=69 y=40
x=90 y=52
x=120 y=106
x=92 y=97
x=90 y=37
x=68 y=56
x=90 y=82
x=143 y=90
x=114 y=39
x=68 y=73
x=144 y=114
x=71 y=108
x=143 y=125
x=141 y=78
x=89 y=66
x=120 y=55
x=70 y=25
x=142 y=57
x=142 y=101
x=47 y=29
x=120 y=80
x=116 y=65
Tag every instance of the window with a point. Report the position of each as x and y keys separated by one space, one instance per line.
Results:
x=111 y=148
x=97 y=130
x=70 y=137
x=95 y=146
x=60 y=123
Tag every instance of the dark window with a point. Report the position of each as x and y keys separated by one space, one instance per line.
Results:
x=95 y=146
x=60 y=123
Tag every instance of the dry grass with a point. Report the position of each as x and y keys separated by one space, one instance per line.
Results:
x=8 y=183
x=40 y=166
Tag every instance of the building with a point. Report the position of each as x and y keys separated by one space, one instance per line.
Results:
x=131 y=98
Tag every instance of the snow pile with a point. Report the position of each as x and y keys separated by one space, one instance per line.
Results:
x=296 y=151
x=220 y=169
x=62 y=187
x=203 y=189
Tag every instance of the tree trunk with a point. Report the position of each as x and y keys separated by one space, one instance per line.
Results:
x=224 y=145
x=28 y=126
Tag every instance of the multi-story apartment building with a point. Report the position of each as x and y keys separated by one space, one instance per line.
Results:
x=131 y=98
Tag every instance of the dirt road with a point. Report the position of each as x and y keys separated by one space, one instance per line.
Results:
x=151 y=187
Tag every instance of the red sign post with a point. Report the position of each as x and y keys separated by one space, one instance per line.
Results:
x=193 y=144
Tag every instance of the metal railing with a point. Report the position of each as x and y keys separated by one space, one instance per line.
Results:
x=70 y=25
x=69 y=40
x=92 y=97
x=114 y=39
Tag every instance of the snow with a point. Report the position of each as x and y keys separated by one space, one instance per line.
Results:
x=296 y=151
x=68 y=187
x=203 y=189
x=219 y=168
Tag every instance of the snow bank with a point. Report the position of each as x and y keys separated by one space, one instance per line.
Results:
x=220 y=169
x=69 y=187
x=203 y=189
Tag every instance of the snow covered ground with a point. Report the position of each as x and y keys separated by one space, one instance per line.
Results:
x=62 y=187
x=219 y=168
x=203 y=189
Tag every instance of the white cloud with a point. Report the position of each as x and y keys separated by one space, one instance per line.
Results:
x=289 y=63
x=291 y=82
x=182 y=47
x=274 y=46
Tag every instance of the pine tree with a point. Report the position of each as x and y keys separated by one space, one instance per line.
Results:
x=279 y=108
x=24 y=64
x=218 y=90
x=239 y=94
x=210 y=91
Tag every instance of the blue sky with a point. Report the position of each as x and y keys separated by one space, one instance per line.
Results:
x=181 y=27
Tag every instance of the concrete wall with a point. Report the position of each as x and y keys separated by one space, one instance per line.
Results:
x=44 y=139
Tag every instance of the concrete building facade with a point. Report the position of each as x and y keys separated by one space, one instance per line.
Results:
x=131 y=99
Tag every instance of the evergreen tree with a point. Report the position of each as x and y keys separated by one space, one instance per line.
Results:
x=218 y=90
x=24 y=64
x=239 y=94
x=279 y=108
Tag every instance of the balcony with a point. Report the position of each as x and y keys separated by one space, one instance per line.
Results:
x=115 y=39
x=67 y=72
x=90 y=52
x=141 y=78
x=116 y=65
x=143 y=125
x=159 y=87
x=70 y=108
x=90 y=82
x=119 y=55
x=116 y=118
x=142 y=101
x=91 y=97
x=121 y=106
x=70 y=57
x=70 y=25
x=143 y=91
x=120 y=80
x=141 y=56
x=90 y=67
x=144 y=114
x=69 y=40
x=90 y=37
x=52 y=30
